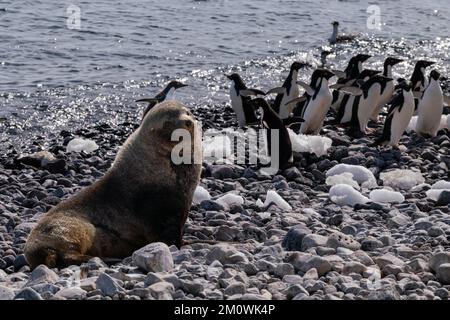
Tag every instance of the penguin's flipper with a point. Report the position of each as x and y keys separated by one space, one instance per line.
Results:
x=148 y=100
x=340 y=74
x=251 y=92
x=447 y=100
x=297 y=100
x=292 y=120
x=307 y=87
x=278 y=90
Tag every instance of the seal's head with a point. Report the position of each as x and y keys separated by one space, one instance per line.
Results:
x=164 y=124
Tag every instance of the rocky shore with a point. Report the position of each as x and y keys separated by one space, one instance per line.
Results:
x=316 y=248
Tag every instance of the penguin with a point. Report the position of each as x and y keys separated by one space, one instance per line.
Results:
x=323 y=58
x=271 y=121
x=431 y=106
x=390 y=86
x=287 y=92
x=356 y=109
x=419 y=79
x=399 y=116
x=165 y=94
x=240 y=100
x=336 y=38
x=348 y=76
x=318 y=103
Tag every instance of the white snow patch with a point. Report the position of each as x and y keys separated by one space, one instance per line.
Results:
x=402 y=179
x=273 y=197
x=230 y=199
x=441 y=184
x=386 y=196
x=80 y=144
x=200 y=194
x=437 y=188
x=344 y=195
x=362 y=175
x=343 y=178
x=307 y=143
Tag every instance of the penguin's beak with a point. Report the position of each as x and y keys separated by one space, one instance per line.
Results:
x=429 y=63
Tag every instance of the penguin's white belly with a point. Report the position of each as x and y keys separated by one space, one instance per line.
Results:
x=286 y=110
x=430 y=111
x=401 y=120
x=236 y=104
x=366 y=108
x=316 y=112
x=384 y=99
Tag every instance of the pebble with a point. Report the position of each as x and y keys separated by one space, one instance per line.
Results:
x=155 y=257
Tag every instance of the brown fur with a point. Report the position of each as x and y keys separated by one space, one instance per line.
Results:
x=144 y=197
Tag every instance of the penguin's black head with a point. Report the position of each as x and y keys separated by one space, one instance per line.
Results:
x=362 y=57
x=176 y=84
x=424 y=64
x=323 y=73
x=234 y=77
x=260 y=103
x=298 y=65
x=392 y=61
x=335 y=24
x=435 y=75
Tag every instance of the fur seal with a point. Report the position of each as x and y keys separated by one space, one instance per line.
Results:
x=144 y=197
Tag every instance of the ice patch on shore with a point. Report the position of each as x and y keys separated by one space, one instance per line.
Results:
x=80 y=144
x=307 y=143
x=230 y=199
x=345 y=195
x=437 y=188
x=362 y=175
x=402 y=179
x=273 y=197
x=200 y=194
x=386 y=196
x=343 y=178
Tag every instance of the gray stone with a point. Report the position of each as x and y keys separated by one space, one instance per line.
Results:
x=353 y=267
x=388 y=258
x=439 y=258
x=293 y=239
x=313 y=240
x=6 y=293
x=294 y=290
x=154 y=257
x=443 y=273
x=107 y=285
x=28 y=294
x=42 y=274
x=371 y=243
x=337 y=240
x=444 y=198
x=235 y=288
x=71 y=293
x=320 y=264
x=283 y=269
x=162 y=290
x=221 y=253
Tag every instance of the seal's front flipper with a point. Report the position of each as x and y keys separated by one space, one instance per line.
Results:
x=75 y=259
